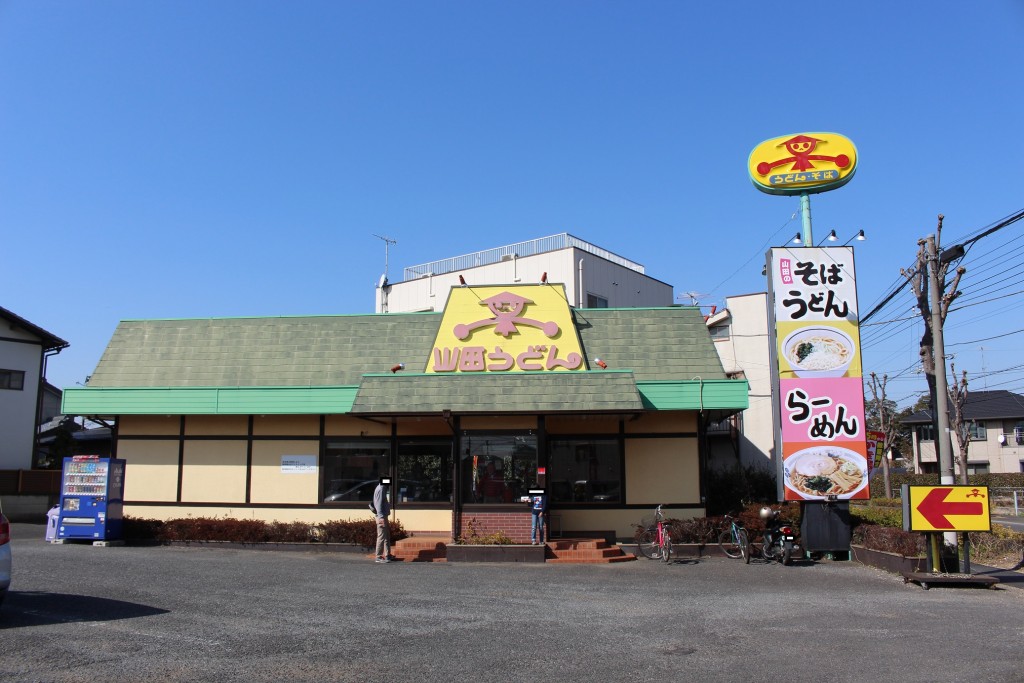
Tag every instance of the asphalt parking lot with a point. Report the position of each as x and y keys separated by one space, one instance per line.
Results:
x=83 y=613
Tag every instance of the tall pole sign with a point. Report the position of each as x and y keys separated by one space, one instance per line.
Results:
x=803 y=165
x=817 y=393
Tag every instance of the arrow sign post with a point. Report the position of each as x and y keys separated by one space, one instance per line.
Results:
x=946 y=508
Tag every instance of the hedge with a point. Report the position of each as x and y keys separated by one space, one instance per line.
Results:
x=358 y=532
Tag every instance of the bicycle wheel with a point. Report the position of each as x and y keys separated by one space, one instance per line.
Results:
x=647 y=544
x=666 y=549
x=744 y=543
x=728 y=544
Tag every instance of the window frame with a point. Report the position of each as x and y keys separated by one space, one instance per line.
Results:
x=576 y=443
x=12 y=380
x=359 y=486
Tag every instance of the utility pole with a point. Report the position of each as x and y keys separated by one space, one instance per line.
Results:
x=942 y=437
x=928 y=281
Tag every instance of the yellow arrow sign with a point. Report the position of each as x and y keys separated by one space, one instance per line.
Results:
x=949 y=508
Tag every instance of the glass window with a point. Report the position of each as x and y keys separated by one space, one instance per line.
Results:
x=978 y=431
x=497 y=468
x=719 y=332
x=926 y=433
x=12 y=379
x=352 y=469
x=595 y=301
x=424 y=472
x=977 y=468
x=1018 y=433
x=585 y=471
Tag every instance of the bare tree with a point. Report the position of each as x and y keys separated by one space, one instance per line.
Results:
x=960 y=426
x=886 y=425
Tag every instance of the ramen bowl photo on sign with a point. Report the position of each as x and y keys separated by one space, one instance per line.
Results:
x=818 y=352
x=824 y=471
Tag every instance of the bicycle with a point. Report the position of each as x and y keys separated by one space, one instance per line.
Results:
x=734 y=541
x=655 y=541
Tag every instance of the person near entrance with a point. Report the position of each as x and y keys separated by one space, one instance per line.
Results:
x=538 y=502
x=381 y=510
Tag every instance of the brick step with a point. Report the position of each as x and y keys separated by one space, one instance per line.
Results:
x=585 y=551
x=578 y=544
x=560 y=551
x=420 y=549
x=603 y=560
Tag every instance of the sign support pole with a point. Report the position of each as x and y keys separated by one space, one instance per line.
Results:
x=805 y=214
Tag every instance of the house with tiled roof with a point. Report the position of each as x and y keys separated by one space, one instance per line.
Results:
x=997 y=434
x=24 y=350
x=296 y=418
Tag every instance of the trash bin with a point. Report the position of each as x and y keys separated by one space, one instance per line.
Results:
x=52 y=516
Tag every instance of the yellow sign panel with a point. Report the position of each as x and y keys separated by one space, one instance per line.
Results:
x=524 y=328
x=802 y=164
x=948 y=508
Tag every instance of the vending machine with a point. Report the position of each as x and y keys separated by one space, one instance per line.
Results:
x=91 y=498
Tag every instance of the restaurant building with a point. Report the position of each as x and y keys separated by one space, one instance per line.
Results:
x=506 y=388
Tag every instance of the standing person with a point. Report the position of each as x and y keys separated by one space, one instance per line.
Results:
x=381 y=510
x=538 y=507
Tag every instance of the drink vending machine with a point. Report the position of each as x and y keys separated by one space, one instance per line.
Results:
x=91 y=498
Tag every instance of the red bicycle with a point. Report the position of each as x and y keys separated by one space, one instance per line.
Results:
x=655 y=540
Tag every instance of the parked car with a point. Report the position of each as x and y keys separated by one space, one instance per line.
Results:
x=343 y=490
x=5 y=555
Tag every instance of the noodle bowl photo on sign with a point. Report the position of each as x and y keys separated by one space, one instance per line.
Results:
x=818 y=352
x=824 y=471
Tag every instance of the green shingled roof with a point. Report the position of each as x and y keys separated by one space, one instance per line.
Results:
x=337 y=364
x=498 y=392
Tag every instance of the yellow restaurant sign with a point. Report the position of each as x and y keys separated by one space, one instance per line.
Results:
x=523 y=328
x=806 y=163
x=946 y=508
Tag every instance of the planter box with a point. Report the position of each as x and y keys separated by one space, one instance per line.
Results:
x=495 y=553
x=890 y=562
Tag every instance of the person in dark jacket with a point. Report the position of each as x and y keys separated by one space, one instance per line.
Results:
x=538 y=507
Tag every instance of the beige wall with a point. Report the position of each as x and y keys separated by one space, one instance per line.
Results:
x=424 y=427
x=216 y=425
x=662 y=471
x=271 y=485
x=148 y=425
x=578 y=424
x=286 y=425
x=661 y=423
x=214 y=472
x=151 y=469
x=342 y=425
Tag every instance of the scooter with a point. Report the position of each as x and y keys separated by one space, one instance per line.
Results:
x=779 y=537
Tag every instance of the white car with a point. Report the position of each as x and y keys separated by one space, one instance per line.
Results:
x=5 y=555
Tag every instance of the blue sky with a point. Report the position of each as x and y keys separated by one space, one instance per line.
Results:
x=195 y=159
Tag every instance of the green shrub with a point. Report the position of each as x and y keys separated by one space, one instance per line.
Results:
x=474 y=537
x=889 y=539
x=695 y=530
x=877 y=512
x=359 y=532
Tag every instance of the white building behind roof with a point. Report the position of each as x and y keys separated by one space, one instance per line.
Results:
x=593 y=277
x=741 y=336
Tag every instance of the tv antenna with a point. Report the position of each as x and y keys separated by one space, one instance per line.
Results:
x=694 y=297
x=387 y=245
